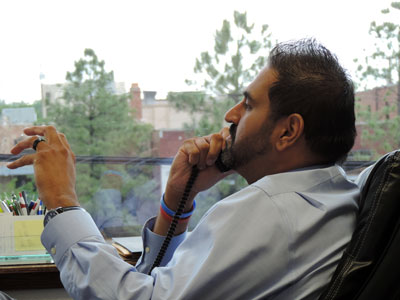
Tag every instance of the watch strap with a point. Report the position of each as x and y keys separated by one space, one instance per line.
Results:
x=59 y=210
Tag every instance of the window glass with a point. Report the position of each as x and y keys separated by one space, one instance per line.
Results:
x=129 y=81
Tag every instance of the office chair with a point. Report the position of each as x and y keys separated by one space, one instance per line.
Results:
x=370 y=265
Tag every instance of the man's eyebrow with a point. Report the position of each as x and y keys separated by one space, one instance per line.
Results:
x=247 y=95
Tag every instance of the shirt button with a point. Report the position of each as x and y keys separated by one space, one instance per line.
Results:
x=147 y=249
x=53 y=250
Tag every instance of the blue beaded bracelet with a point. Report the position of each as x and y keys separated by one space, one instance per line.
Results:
x=171 y=213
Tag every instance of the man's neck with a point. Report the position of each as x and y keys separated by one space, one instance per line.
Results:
x=274 y=164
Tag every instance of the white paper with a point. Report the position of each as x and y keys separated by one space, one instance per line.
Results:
x=132 y=243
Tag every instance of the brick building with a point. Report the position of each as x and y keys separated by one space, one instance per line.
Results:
x=383 y=101
x=168 y=122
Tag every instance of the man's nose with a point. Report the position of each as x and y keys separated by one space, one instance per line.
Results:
x=233 y=115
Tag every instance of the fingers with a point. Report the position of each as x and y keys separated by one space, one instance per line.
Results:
x=25 y=144
x=193 y=149
x=203 y=148
x=203 y=151
x=51 y=135
x=217 y=142
x=64 y=141
x=49 y=132
x=225 y=132
x=23 y=161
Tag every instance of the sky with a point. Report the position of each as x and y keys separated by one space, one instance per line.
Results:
x=155 y=42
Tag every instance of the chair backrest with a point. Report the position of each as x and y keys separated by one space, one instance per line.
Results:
x=370 y=266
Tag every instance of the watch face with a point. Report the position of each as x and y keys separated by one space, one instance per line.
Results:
x=50 y=214
x=56 y=211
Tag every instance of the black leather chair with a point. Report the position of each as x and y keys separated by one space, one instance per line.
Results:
x=370 y=266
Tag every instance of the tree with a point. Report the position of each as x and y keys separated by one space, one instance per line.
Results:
x=238 y=56
x=96 y=121
x=239 y=53
x=37 y=105
x=21 y=104
x=383 y=67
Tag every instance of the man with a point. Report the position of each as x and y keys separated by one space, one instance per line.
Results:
x=279 y=238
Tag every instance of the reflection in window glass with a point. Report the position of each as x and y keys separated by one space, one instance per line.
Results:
x=128 y=90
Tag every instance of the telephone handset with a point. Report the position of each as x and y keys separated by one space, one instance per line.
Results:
x=193 y=175
x=220 y=165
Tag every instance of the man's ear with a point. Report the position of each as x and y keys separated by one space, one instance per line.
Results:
x=290 y=129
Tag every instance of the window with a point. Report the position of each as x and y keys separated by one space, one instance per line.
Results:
x=117 y=77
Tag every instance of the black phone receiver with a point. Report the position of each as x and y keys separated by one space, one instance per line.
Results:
x=220 y=165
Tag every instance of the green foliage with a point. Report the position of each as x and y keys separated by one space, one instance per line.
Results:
x=222 y=75
x=381 y=133
x=37 y=105
x=21 y=104
x=240 y=52
x=382 y=67
x=96 y=121
x=17 y=185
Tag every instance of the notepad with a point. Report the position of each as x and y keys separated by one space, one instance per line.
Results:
x=20 y=235
x=27 y=235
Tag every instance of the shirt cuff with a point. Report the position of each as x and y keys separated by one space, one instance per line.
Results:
x=65 y=230
x=151 y=245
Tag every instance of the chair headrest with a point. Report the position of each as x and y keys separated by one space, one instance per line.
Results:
x=379 y=198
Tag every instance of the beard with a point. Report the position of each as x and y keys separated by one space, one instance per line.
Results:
x=238 y=154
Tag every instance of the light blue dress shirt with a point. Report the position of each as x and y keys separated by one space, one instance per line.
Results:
x=279 y=238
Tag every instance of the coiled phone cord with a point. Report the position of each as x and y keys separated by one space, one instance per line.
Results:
x=175 y=219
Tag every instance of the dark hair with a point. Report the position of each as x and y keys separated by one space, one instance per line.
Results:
x=312 y=83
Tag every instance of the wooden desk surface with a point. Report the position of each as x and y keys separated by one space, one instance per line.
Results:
x=46 y=275
x=37 y=276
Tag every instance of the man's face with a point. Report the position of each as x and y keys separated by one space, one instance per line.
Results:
x=251 y=129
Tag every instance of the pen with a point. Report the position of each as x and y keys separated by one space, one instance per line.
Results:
x=4 y=206
x=24 y=196
x=22 y=203
x=35 y=207
x=27 y=202
x=40 y=210
x=10 y=207
x=15 y=204
x=30 y=206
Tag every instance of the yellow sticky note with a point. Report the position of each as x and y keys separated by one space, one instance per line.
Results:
x=27 y=235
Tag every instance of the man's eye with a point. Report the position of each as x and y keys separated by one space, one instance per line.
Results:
x=246 y=105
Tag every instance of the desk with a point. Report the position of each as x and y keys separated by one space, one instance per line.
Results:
x=37 y=276
x=38 y=271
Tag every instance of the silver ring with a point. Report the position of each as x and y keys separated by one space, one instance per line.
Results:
x=37 y=141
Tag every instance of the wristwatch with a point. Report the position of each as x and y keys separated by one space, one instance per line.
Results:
x=59 y=210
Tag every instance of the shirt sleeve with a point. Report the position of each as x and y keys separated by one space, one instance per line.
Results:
x=152 y=243
x=90 y=268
